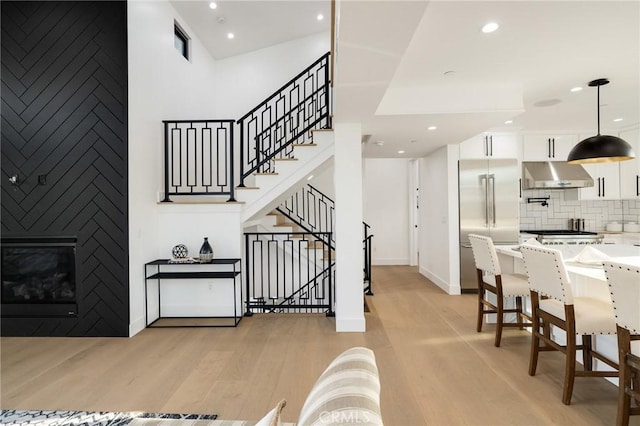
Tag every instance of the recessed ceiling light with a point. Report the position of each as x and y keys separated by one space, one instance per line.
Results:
x=508 y=122
x=230 y=36
x=576 y=89
x=401 y=152
x=449 y=73
x=490 y=27
x=320 y=17
x=431 y=128
x=617 y=119
x=213 y=5
x=310 y=177
x=380 y=143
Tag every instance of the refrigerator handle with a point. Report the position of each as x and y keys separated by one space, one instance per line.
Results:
x=484 y=181
x=492 y=181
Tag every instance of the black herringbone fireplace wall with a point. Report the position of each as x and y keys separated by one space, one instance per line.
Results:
x=64 y=135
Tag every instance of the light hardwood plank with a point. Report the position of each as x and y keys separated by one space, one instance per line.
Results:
x=434 y=368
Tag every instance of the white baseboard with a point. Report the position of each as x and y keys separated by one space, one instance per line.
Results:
x=136 y=326
x=389 y=261
x=445 y=286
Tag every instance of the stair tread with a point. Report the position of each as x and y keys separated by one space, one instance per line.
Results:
x=266 y=174
x=178 y=201
x=304 y=144
x=247 y=187
x=322 y=130
x=285 y=159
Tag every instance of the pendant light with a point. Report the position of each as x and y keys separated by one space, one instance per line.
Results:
x=600 y=148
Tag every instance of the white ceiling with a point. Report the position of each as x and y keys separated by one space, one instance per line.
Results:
x=541 y=50
x=392 y=56
x=255 y=24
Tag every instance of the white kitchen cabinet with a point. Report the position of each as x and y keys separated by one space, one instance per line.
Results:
x=554 y=147
x=630 y=170
x=490 y=145
x=606 y=179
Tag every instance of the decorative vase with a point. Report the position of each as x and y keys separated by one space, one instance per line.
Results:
x=180 y=251
x=206 y=252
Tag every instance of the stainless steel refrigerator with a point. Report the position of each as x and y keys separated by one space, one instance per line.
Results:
x=488 y=200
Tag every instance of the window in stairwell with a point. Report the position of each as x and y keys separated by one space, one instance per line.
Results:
x=181 y=40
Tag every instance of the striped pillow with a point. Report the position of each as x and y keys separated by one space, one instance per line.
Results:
x=347 y=393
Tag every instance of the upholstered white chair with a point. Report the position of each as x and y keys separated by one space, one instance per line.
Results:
x=492 y=280
x=624 y=284
x=553 y=304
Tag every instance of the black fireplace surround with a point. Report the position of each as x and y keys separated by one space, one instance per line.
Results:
x=39 y=277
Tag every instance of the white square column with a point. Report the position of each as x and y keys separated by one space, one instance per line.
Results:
x=349 y=255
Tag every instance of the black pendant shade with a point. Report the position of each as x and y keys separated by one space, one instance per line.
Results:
x=600 y=148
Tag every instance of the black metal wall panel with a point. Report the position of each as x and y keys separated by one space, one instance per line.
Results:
x=64 y=122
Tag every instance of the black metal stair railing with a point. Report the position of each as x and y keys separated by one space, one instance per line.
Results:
x=285 y=118
x=288 y=272
x=199 y=158
x=313 y=211
x=199 y=154
x=367 y=259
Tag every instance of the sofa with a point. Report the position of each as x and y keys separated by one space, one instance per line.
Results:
x=347 y=393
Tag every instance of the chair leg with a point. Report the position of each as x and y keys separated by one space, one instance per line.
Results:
x=624 y=400
x=519 y=313
x=535 y=330
x=570 y=361
x=587 y=358
x=499 y=320
x=480 y=300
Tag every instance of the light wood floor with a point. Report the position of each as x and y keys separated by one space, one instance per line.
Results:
x=434 y=368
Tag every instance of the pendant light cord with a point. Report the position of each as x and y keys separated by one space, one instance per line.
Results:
x=598 y=110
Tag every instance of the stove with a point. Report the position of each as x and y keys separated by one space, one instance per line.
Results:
x=564 y=236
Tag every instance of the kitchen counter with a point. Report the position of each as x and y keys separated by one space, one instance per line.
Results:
x=618 y=252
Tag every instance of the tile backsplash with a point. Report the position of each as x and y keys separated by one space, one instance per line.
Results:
x=563 y=205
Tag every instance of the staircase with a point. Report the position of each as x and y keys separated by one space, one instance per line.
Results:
x=266 y=152
x=263 y=192
x=289 y=256
x=259 y=161
x=286 y=268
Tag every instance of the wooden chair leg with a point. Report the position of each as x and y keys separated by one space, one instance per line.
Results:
x=587 y=358
x=519 y=313
x=480 y=311
x=499 y=318
x=535 y=330
x=570 y=361
x=480 y=300
x=624 y=400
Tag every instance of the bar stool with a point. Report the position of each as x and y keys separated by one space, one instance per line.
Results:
x=624 y=284
x=553 y=304
x=492 y=280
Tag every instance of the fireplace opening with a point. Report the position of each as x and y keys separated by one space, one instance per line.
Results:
x=39 y=277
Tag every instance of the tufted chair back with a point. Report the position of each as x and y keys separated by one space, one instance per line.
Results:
x=484 y=254
x=624 y=285
x=546 y=272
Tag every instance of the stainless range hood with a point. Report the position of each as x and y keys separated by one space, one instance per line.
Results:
x=554 y=175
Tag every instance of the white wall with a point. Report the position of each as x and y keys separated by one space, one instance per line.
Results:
x=245 y=80
x=386 y=209
x=438 y=241
x=165 y=86
x=162 y=85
